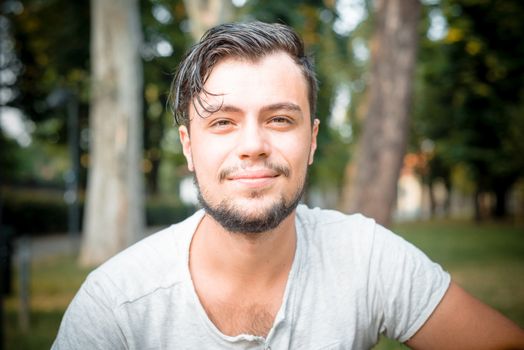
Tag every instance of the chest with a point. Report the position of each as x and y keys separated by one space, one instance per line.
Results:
x=234 y=317
x=240 y=308
x=313 y=320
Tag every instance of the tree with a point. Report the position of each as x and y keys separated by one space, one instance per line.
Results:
x=372 y=186
x=38 y=65
x=205 y=14
x=163 y=47
x=114 y=215
x=471 y=97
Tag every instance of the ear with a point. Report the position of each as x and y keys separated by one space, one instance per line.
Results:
x=313 y=147
x=183 y=132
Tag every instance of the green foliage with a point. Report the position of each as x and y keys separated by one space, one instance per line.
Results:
x=57 y=56
x=470 y=97
x=158 y=73
x=52 y=43
x=44 y=211
x=50 y=55
x=35 y=212
x=9 y=162
x=163 y=213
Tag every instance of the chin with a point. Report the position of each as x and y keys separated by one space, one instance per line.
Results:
x=250 y=216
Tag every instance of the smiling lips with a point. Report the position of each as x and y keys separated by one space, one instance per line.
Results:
x=254 y=178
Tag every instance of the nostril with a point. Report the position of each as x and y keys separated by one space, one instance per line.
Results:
x=253 y=144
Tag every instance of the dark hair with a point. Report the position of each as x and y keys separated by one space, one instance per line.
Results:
x=252 y=41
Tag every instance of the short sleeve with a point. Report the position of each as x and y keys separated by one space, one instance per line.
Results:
x=89 y=321
x=407 y=283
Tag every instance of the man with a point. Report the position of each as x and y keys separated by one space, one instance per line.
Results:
x=253 y=270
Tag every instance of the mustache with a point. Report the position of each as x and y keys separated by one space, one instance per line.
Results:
x=277 y=168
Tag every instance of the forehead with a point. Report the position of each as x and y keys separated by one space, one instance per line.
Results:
x=250 y=84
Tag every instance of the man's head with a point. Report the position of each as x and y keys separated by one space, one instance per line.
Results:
x=244 y=41
x=252 y=129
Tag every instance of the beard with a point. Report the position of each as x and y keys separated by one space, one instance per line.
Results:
x=234 y=219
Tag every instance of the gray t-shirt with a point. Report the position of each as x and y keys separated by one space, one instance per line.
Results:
x=351 y=280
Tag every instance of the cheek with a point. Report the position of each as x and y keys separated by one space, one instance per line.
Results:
x=295 y=150
x=207 y=159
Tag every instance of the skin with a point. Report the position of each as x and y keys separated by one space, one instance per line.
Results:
x=265 y=118
x=463 y=322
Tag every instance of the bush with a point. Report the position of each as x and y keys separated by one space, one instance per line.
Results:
x=165 y=213
x=40 y=212
x=35 y=212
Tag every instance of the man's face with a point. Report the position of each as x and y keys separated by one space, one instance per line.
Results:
x=250 y=157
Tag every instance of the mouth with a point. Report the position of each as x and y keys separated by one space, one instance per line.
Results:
x=253 y=178
x=253 y=175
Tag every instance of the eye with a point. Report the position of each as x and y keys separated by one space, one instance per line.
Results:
x=222 y=122
x=281 y=120
x=221 y=125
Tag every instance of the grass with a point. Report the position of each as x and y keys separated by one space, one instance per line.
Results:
x=487 y=260
x=54 y=282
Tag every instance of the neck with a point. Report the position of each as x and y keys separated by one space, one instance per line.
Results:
x=257 y=259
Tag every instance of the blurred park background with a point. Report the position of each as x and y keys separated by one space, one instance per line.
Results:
x=422 y=127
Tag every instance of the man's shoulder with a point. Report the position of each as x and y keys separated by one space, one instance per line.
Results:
x=331 y=231
x=157 y=261
x=333 y=220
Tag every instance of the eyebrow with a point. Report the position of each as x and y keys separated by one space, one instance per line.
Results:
x=280 y=106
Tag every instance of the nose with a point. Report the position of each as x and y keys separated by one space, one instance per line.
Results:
x=253 y=142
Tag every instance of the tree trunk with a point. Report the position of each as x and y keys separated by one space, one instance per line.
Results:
x=372 y=187
x=205 y=14
x=447 y=202
x=432 y=200
x=501 y=190
x=477 y=205
x=114 y=215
